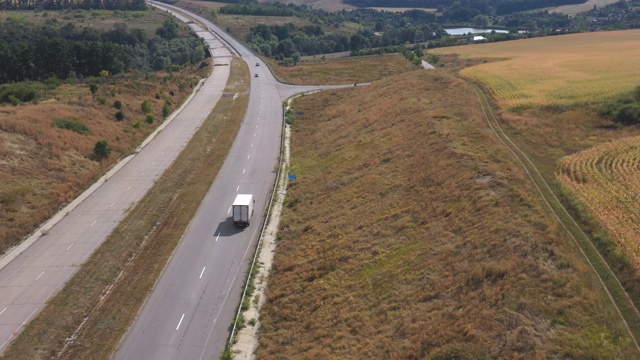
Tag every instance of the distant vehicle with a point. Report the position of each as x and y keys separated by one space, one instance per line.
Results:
x=243 y=209
x=256 y=75
x=257 y=64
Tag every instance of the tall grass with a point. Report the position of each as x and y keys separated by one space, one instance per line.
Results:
x=411 y=233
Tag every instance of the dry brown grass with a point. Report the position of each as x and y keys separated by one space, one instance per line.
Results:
x=113 y=284
x=343 y=70
x=411 y=232
x=43 y=167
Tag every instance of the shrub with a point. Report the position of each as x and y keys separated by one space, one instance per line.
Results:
x=101 y=150
x=71 y=124
x=102 y=100
x=146 y=106
x=24 y=91
x=136 y=124
x=120 y=115
x=117 y=104
x=14 y=100
x=166 y=110
x=628 y=114
x=93 y=87
x=150 y=118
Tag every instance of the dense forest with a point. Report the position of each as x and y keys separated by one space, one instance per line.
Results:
x=58 y=50
x=70 y=4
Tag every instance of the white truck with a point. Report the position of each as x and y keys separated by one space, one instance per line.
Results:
x=243 y=209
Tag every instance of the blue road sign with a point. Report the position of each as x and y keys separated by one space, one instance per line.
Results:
x=292 y=177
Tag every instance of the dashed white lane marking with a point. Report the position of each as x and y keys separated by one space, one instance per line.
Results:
x=180 y=322
x=248 y=157
x=42 y=273
x=238 y=188
x=230 y=208
x=69 y=247
x=113 y=203
x=218 y=236
x=251 y=145
x=199 y=277
x=129 y=188
x=94 y=222
x=5 y=309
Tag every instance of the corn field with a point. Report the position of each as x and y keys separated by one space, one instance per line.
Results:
x=606 y=179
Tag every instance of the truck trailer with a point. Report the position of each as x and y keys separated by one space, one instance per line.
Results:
x=243 y=209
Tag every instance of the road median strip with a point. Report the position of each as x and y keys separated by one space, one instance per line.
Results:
x=99 y=304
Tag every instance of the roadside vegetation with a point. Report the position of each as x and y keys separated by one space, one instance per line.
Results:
x=99 y=304
x=342 y=71
x=411 y=233
x=60 y=134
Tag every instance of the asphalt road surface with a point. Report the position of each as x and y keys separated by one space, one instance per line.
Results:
x=189 y=313
x=28 y=278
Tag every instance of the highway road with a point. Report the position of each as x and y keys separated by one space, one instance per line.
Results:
x=189 y=313
x=28 y=277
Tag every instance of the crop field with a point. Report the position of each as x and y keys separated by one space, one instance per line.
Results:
x=606 y=178
x=564 y=70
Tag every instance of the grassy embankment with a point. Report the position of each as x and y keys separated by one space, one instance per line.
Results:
x=100 y=302
x=412 y=233
x=551 y=89
x=42 y=166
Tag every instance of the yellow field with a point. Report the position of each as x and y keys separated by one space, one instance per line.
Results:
x=606 y=178
x=561 y=70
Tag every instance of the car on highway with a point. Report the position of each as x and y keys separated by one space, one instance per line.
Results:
x=256 y=75
x=257 y=64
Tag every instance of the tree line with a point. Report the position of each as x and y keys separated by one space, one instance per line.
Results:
x=70 y=4
x=64 y=50
x=467 y=8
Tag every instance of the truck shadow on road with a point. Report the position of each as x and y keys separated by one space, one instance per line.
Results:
x=228 y=228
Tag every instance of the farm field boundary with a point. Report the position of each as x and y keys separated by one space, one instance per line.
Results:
x=620 y=299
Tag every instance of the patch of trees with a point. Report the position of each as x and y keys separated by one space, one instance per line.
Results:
x=70 y=4
x=624 y=110
x=56 y=50
x=258 y=9
x=291 y=41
